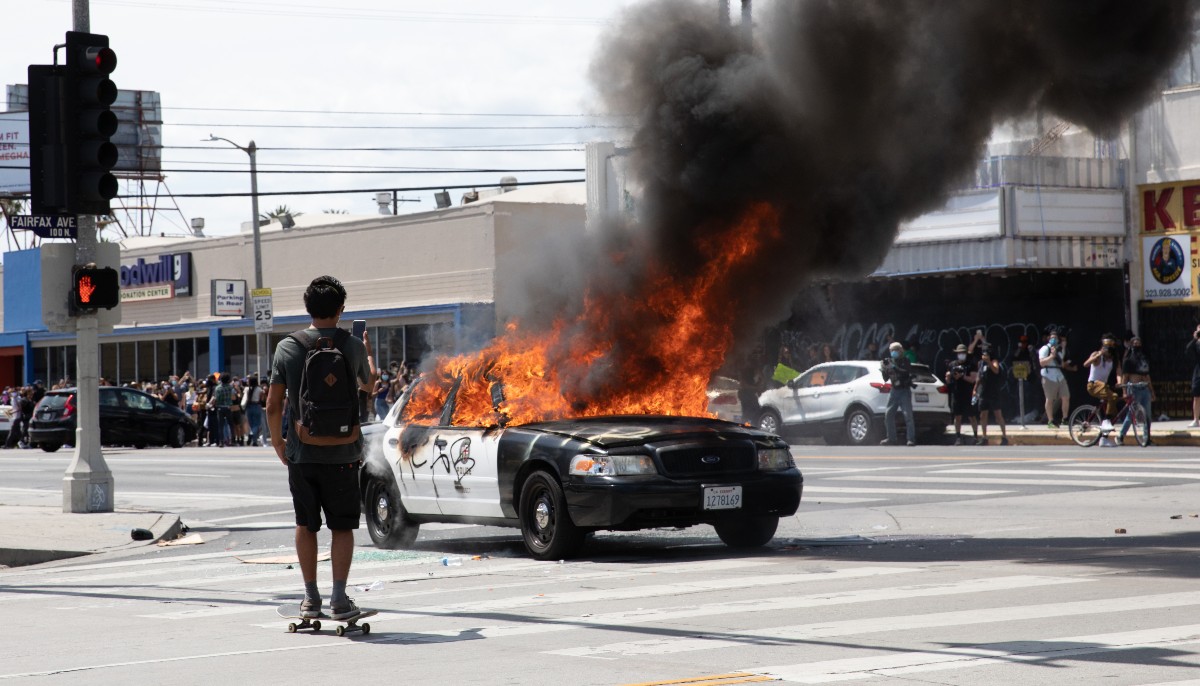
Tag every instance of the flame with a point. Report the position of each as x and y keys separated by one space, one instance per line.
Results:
x=651 y=351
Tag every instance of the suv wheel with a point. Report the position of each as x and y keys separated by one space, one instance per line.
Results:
x=770 y=422
x=860 y=427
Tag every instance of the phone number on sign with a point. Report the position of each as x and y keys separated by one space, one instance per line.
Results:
x=1152 y=293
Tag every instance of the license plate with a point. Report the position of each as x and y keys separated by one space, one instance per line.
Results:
x=723 y=497
x=922 y=397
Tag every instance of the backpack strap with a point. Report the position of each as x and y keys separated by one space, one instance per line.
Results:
x=305 y=337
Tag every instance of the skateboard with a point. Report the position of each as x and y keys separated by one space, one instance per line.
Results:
x=348 y=624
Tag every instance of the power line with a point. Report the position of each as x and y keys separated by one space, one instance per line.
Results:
x=576 y=148
x=262 y=194
x=391 y=114
x=371 y=171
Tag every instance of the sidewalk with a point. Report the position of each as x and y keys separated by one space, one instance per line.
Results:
x=1173 y=432
x=31 y=534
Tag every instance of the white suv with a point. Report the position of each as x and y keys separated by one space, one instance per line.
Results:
x=844 y=402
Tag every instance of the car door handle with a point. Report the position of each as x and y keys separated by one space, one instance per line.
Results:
x=393 y=442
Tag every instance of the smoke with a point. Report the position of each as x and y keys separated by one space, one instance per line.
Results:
x=848 y=117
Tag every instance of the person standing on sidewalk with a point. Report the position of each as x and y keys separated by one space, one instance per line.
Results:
x=1135 y=369
x=961 y=375
x=988 y=395
x=322 y=477
x=218 y=407
x=1193 y=353
x=253 y=406
x=897 y=370
x=1054 y=382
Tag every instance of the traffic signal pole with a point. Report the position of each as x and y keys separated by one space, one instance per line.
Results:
x=88 y=484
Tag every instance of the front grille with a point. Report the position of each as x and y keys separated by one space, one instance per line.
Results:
x=706 y=460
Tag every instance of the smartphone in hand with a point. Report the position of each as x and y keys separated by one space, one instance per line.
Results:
x=359 y=328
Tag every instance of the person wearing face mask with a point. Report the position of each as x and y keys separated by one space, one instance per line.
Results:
x=897 y=371
x=1051 y=359
x=383 y=388
x=961 y=376
x=1135 y=369
x=988 y=395
x=1100 y=366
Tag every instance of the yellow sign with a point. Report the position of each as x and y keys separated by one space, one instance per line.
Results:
x=1021 y=370
x=260 y=292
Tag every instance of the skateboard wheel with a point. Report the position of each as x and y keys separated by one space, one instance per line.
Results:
x=292 y=628
x=316 y=626
x=366 y=629
x=341 y=631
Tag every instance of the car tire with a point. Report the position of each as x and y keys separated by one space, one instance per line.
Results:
x=388 y=522
x=769 y=421
x=747 y=532
x=546 y=526
x=50 y=447
x=177 y=436
x=860 y=427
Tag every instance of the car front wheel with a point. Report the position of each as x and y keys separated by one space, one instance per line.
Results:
x=546 y=525
x=176 y=437
x=51 y=447
x=747 y=532
x=388 y=523
x=860 y=427
x=770 y=422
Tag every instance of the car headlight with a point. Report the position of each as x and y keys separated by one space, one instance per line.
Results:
x=609 y=465
x=775 y=459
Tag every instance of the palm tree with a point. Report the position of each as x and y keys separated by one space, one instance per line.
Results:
x=11 y=206
x=278 y=212
x=335 y=211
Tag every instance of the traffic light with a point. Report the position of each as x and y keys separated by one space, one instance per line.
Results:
x=95 y=287
x=88 y=123
x=70 y=123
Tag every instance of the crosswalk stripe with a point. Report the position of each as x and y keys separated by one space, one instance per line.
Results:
x=960 y=657
x=1068 y=472
x=852 y=627
x=898 y=491
x=986 y=480
x=774 y=604
x=1127 y=465
x=839 y=500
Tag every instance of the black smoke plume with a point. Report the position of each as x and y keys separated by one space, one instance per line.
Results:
x=850 y=116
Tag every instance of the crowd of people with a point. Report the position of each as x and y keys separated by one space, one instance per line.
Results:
x=228 y=410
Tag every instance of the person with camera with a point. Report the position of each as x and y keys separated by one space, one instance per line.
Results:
x=988 y=395
x=897 y=371
x=1100 y=367
x=961 y=376
x=1193 y=353
x=1052 y=359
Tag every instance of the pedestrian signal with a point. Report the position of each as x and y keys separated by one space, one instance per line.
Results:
x=94 y=288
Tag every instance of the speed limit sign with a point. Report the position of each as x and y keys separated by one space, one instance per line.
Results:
x=260 y=300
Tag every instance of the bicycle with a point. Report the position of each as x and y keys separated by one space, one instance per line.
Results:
x=1086 y=423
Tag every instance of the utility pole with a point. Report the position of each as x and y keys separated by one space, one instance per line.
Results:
x=723 y=12
x=747 y=23
x=88 y=484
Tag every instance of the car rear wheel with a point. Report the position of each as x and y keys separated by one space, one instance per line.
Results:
x=51 y=447
x=747 y=532
x=770 y=422
x=388 y=523
x=176 y=437
x=546 y=525
x=860 y=427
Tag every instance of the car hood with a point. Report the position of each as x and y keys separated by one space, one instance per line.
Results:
x=616 y=431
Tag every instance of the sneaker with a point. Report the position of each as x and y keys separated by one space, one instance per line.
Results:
x=1004 y=441
x=959 y=440
x=887 y=442
x=1195 y=424
x=310 y=608
x=1106 y=425
x=911 y=444
x=981 y=441
x=1052 y=426
x=343 y=610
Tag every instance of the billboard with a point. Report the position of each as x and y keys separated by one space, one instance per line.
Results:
x=14 y=153
x=1170 y=233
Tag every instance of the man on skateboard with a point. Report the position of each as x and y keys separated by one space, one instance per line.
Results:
x=322 y=463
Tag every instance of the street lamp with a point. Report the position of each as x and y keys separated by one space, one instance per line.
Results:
x=252 y=151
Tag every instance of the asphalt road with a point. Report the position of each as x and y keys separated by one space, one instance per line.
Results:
x=904 y=565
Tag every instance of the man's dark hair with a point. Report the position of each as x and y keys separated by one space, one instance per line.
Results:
x=324 y=297
x=225 y=377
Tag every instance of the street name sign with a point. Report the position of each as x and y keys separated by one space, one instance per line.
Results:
x=46 y=225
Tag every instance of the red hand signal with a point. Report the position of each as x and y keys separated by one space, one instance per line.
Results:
x=86 y=289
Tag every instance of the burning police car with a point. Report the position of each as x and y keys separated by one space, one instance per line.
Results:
x=559 y=480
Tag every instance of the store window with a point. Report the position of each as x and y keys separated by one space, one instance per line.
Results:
x=1187 y=70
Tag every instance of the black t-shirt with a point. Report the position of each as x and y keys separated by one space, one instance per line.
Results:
x=1135 y=362
x=1193 y=353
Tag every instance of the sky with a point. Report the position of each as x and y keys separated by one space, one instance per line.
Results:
x=299 y=74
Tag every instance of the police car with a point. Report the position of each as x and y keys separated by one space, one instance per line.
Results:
x=559 y=480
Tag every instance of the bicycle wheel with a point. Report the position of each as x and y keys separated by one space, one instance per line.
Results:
x=1084 y=426
x=1139 y=424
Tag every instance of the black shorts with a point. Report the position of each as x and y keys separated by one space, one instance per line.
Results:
x=332 y=488
x=960 y=404
x=989 y=403
x=1196 y=387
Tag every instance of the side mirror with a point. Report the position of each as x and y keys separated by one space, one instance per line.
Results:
x=440 y=443
x=793 y=385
